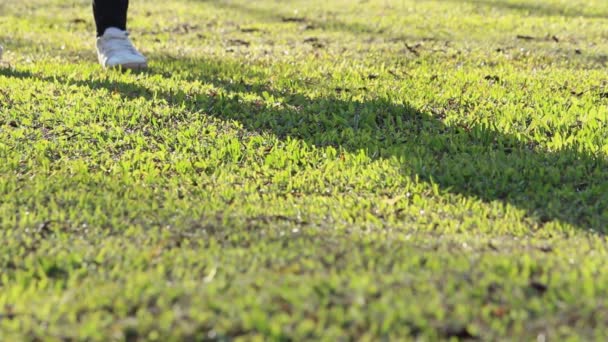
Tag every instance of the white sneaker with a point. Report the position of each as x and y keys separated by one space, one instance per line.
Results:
x=115 y=50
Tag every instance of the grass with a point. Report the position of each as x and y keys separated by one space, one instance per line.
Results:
x=306 y=170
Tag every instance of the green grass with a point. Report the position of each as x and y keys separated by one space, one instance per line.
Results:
x=320 y=170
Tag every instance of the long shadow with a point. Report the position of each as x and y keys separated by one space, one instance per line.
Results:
x=264 y=14
x=474 y=161
x=336 y=25
x=533 y=8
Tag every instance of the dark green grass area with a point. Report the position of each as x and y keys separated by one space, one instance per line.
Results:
x=306 y=170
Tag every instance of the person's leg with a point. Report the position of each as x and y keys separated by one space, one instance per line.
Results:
x=114 y=48
x=110 y=13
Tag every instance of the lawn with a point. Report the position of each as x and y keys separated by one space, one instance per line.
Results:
x=306 y=170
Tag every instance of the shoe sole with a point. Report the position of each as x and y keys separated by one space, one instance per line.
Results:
x=129 y=66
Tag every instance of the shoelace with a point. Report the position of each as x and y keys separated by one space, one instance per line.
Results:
x=118 y=43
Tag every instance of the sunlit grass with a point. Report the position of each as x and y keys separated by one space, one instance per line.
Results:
x=306 y=170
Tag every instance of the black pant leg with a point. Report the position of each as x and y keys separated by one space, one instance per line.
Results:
x=110 y=13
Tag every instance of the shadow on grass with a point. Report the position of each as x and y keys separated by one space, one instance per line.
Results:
x=331 y=23
x=531 y=7
x=474 y=161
